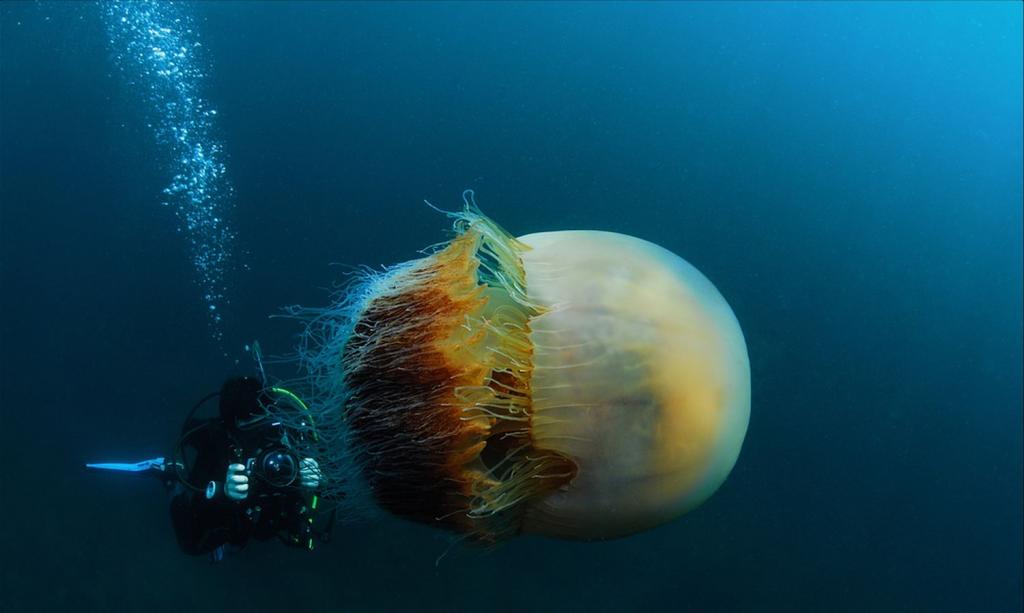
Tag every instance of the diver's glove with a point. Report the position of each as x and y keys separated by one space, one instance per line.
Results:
x=236 y=483
x=309 y=473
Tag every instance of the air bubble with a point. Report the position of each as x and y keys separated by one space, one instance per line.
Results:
x=140 y=35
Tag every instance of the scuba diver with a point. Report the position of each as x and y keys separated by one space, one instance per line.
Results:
x=234 y=477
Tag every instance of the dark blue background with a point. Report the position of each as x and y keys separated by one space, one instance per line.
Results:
x=848 y=175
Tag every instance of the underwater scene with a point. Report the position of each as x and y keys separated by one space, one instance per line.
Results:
x=511 y=306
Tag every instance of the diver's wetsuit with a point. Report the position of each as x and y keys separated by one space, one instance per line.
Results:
x=203 y=525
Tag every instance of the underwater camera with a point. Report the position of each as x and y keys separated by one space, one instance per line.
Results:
x=276 y=467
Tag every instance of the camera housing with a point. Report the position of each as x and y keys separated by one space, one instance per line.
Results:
x=276 y=466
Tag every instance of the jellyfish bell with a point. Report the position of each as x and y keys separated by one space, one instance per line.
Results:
x=576 y=384
x=640 y=375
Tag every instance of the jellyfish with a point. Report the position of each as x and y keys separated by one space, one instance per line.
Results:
x=574 y=384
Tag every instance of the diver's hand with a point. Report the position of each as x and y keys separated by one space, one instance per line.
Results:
x=309 y=473
x=236 y=483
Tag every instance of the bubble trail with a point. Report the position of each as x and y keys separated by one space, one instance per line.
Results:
x=156 y=47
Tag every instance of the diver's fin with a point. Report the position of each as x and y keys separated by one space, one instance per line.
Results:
x=138 y=467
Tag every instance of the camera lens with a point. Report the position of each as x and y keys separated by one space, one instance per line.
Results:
x=279 y=468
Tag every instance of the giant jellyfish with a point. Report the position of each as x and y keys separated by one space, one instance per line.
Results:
x=575 y=384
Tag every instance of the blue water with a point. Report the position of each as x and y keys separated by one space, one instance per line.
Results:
x=848 y=175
